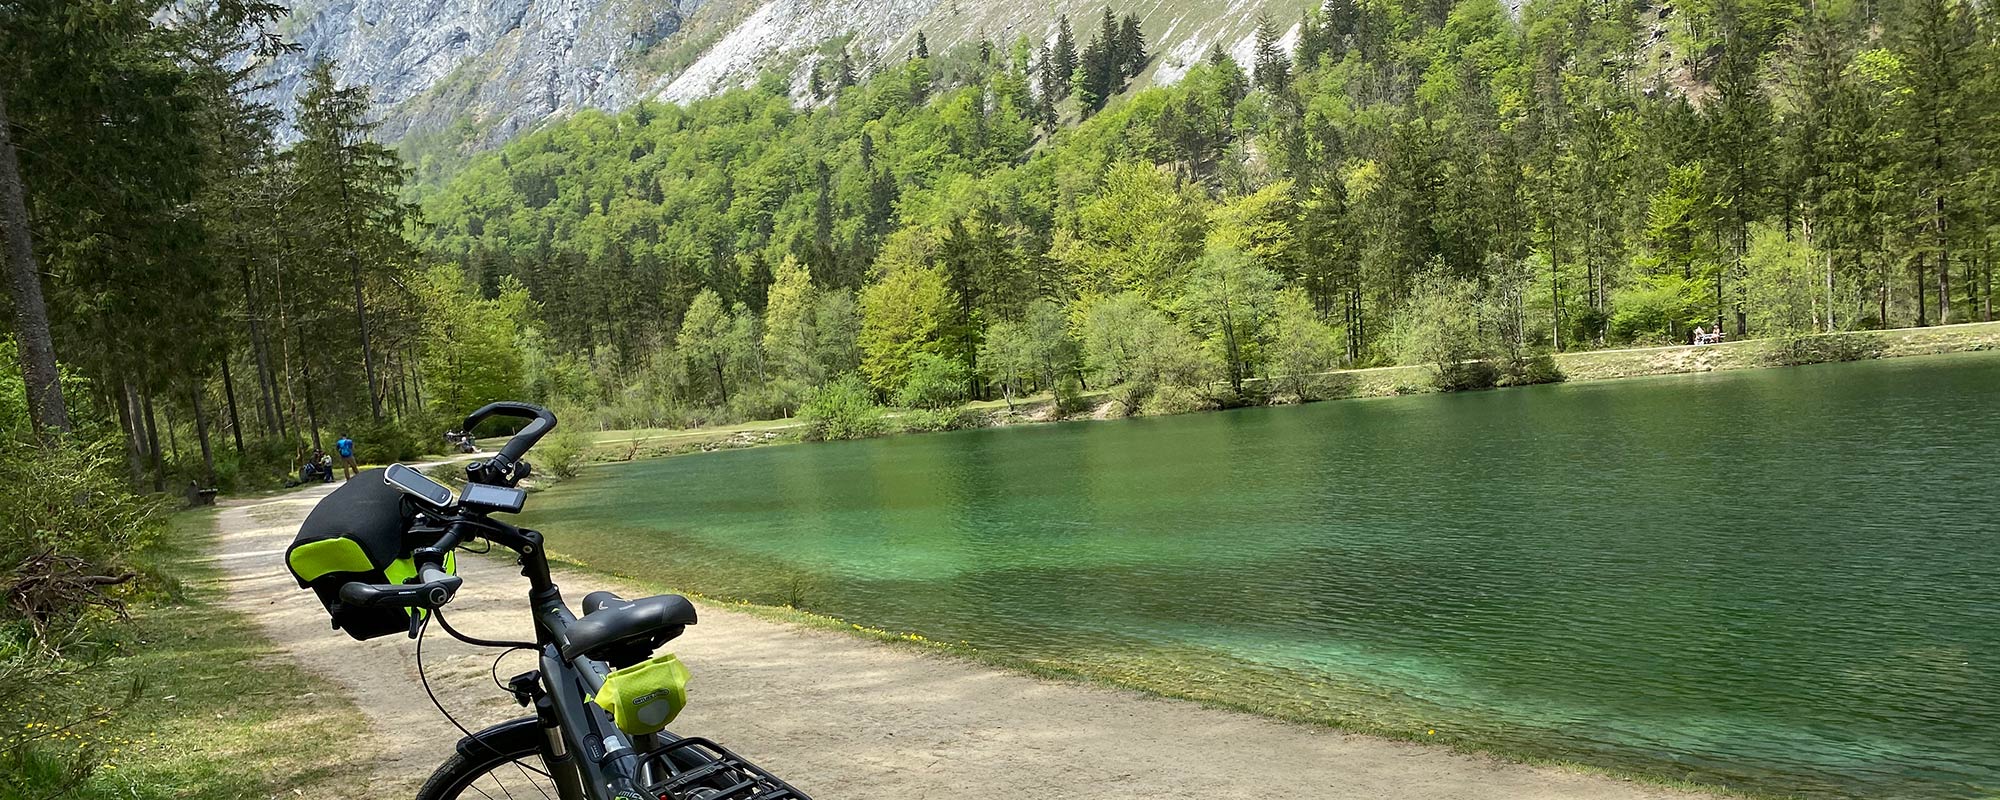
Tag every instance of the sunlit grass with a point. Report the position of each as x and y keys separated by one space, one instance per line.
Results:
x=201 y=704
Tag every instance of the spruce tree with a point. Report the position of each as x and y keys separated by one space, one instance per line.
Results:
x=1933 y=40
x=1132 y=47
x=1272 y=69
x=1064 y=63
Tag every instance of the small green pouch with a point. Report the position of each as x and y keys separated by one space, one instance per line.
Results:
x=644 y=697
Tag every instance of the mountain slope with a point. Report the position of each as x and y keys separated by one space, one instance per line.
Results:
x=471 y=74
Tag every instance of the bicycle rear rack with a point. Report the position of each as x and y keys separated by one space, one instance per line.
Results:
x=699 y=769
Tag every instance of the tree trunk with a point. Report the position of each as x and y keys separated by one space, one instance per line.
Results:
x=201 y=434
x=721 y=384
x=1988 y=316
x=360 y=306
x=1971 y=287
x=312 y=410
x=46 y=409
x=229 y=394
x=1923 y=302
x=367 y=353
x=129 y=423
x=1944 y=265
x=267 y=383
x=153 y=439
x=1555 y=303
x=1944 y=288
x=417 y=386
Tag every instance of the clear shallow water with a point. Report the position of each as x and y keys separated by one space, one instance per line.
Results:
x=1781 y=580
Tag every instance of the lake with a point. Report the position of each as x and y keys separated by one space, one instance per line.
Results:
x=1778 y=580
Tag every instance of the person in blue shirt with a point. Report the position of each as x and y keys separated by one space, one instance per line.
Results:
x=348 y=469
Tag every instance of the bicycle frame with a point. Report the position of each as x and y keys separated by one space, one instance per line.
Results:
x=587 y=756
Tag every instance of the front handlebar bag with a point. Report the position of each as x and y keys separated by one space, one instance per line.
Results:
x=359 y=532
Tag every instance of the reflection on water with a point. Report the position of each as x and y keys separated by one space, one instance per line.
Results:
x=1783 y=580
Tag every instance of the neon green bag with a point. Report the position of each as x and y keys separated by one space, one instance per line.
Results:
x=644 y=697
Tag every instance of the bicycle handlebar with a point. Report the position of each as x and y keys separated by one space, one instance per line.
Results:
x=540 y=422
x=437 y=589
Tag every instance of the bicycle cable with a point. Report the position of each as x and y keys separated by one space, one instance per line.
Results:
x=478 y=642
x=424 y=677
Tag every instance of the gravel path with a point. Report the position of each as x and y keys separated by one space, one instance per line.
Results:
x=842 y=717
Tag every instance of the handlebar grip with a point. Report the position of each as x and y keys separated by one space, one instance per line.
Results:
x=436 y=590
x=541 y=421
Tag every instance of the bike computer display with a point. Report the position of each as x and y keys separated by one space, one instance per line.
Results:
x=414 y=484
x=493 y=498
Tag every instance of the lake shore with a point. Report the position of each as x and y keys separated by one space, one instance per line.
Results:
x=858 y=716
x=1576 y=367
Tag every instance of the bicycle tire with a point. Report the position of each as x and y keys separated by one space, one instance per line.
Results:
x=492 y=758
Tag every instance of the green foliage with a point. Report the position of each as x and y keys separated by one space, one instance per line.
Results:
x=562 y=453
x=1009 y=358
x=1786 y=351
x=933 y=382
x=843 y=409
x=1441 y=327
x=67 y=515
x=791 y=337
x=1228 y=304
x=472 y=355
x=1069 y=395
x=903 y=315
x=1660 y=310
x=1301 y=345
x=1175 y=400
x=1597 y=176
x=1785 y=281
x=1530 y=369
x=1127 y=341
x=932 y=420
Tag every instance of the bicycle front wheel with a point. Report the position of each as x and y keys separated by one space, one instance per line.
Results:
x=502 y=766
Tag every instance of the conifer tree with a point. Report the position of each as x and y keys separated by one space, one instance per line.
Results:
x=1272 y=69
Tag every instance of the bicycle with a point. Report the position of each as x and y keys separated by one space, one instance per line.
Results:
x=380 y=555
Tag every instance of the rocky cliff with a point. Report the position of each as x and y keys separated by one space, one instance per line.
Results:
x=473 y=73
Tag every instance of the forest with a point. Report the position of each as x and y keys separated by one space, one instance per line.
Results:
x=1414 y=182
x=1379 y=182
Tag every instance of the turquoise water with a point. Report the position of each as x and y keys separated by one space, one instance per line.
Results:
x=1779 y=580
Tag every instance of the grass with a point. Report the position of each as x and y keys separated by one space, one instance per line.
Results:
x=195 y=702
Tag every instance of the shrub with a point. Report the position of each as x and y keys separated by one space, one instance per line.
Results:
x=67 y=527
x=561 y=453
x=1069 y=395
x=927 y=420
x=1530 y=369
x=1820 y=349
x=843 y=409
x=934 y=381
x=1172 y=399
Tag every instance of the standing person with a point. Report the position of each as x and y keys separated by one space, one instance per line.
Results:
x=348 y=469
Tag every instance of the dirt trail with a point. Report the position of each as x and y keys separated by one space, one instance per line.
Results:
x=846 y=718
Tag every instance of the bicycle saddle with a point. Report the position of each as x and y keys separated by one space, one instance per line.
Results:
x=622 y=632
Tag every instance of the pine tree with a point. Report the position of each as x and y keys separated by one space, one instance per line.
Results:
x=1064 y=63
x=1933 y=40
x=349 y=187
x=1272 y=69
x=46 y=408
x=1739 y=135
x=1132 y=47
x=1100 y=75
